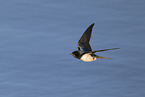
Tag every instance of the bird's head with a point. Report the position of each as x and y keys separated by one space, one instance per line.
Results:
x=75 y=54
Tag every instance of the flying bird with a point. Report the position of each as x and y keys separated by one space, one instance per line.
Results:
x=85 y=52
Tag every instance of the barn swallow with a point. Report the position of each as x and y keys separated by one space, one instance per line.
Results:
x=85 y=52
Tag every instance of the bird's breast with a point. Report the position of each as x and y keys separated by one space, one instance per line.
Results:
x=88 y=58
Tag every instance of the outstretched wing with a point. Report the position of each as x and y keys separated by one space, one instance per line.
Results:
x=83 y=43
x=104 y=50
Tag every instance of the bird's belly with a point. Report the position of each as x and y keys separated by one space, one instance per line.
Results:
x=87 y=58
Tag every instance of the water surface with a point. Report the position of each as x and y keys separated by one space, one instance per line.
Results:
x=37 y=37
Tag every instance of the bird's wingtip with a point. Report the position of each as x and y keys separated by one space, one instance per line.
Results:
x=93 y=23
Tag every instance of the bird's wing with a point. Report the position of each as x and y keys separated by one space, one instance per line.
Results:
x=104 y=50
x=83 y=43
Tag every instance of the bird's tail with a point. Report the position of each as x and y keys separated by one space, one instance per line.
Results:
x=103 y=57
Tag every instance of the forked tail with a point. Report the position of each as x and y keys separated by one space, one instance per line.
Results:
x=103 y=57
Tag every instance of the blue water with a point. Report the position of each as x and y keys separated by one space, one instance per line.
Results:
x=37 y=37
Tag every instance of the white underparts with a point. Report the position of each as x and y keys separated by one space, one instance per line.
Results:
x=88 y=58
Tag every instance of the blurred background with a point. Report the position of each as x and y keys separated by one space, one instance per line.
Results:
x=37 y=37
